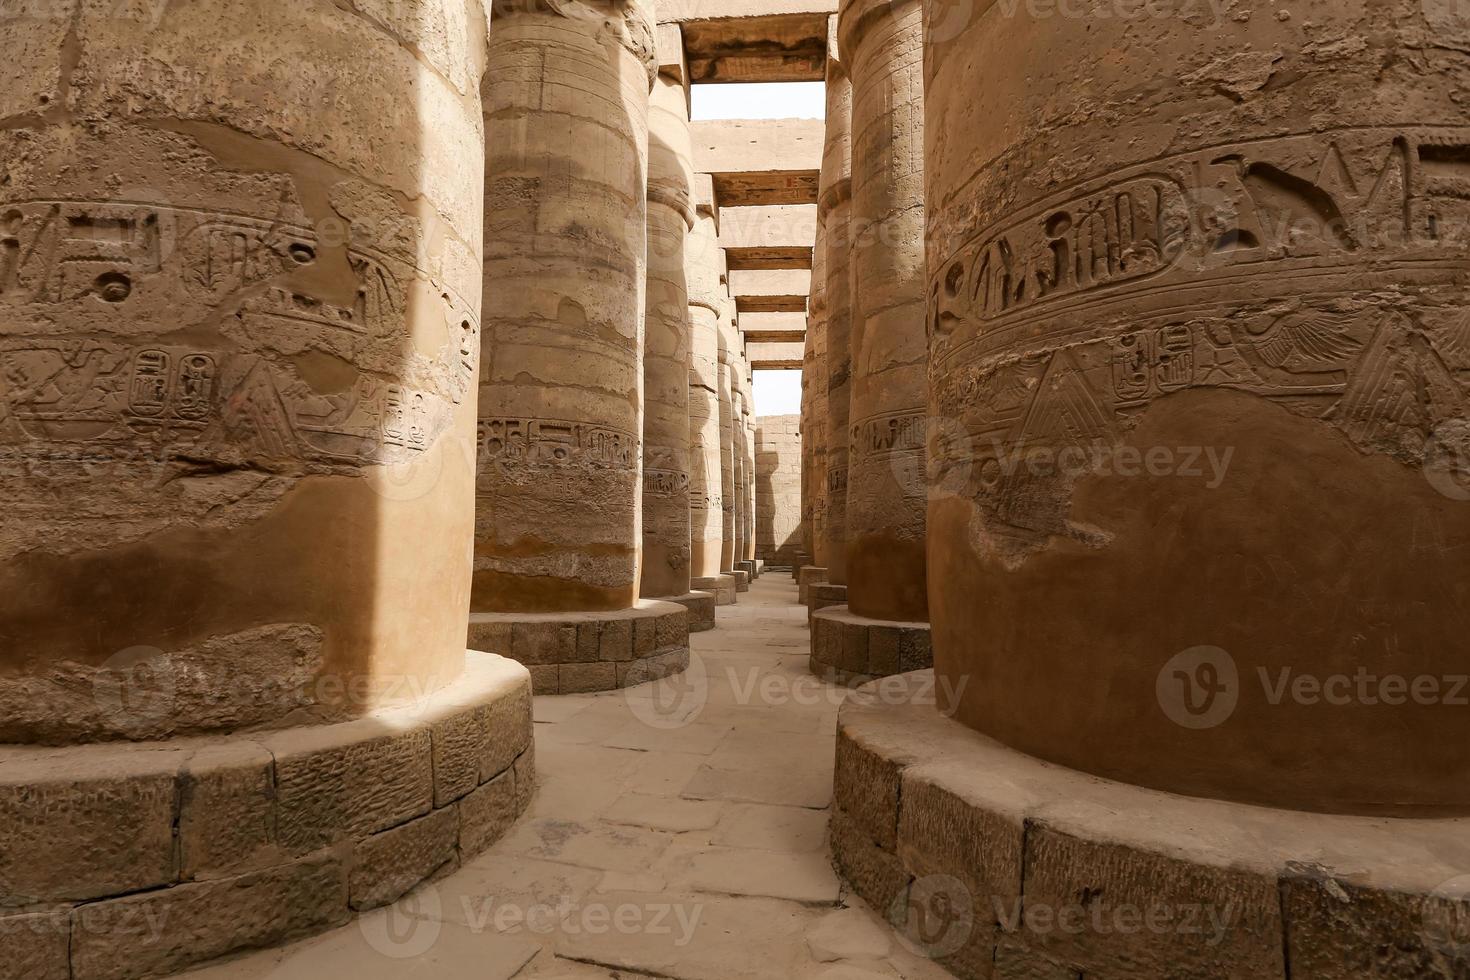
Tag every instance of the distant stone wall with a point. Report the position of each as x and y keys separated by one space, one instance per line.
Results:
x=778 y=529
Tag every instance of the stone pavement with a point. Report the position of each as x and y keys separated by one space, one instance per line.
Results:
x=679 y=830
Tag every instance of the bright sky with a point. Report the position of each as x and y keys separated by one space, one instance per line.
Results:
x=776 y=392
x=788 y=100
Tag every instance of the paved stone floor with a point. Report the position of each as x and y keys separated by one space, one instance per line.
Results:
x=679 y=830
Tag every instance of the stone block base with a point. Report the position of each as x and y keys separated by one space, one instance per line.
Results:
x=748 y=567
x=701 y=607
x=144 y=859
x=998 y=865
x=851 y=650
x=579 y=653
x=723 y=587
x=806 y=577
x=760 y=567
x=823 y=595
x=742 y=579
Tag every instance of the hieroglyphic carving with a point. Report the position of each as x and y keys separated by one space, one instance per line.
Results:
x=664 y=483
x=885 y=435
x=1059 y=327
x=1317 y=272
x=161 y=269
x=533 y=443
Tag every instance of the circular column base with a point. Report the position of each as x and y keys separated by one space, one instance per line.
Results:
x=581 y=653
x=851 y=650
x=723 y=587
x=227 y=843
x=701 y=607
x=748 y=567
x=742 y=579
x=999 y=865
x=823 y=595
x=806 y=577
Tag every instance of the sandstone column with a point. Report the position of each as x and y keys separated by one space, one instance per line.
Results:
x=883 y=628
x=706 y=494
x=727 y=438
x=558 y=526
x=666 y=358
x=737 y=467
x=749 y=463
x=237 y=377
x=1198 y=489
x=826 y=585
x=814 y=415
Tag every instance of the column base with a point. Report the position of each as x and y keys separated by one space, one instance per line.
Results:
x=760 y=567
x=723 y=587
x=251 y=840
x=798 y=562
x=748 y=567
x=701 y=607
x=851 y=650
x=742 y=579
x=1011 y=868
x=806 y=577
x=823 y=595
x=580 y=653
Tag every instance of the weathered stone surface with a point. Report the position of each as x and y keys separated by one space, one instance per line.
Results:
x=616 y=640
x=525 y=773
x=541 y=643
x=36 y=946
x=117 y=809
x=226 y=323
x=875 y=874
x=348 y=781
x=165 y=931
x=227 y=815
x=584 y=678
x=1178 y=254
x=1341 y=930
x=508 y=726
x=653 y=668
x=665 y=567
x=386 y=866
x=563 y=290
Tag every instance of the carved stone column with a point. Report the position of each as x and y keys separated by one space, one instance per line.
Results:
x=834 y=265
x=561 y=414
x=238 y=354
x=1200 y=378
x=666 y=359
x=814 y=416
x=883 y=627
x=706 y=494
x=727 y=436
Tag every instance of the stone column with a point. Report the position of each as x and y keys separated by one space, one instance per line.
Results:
x=834 y=210
x=558 y=528
x=814 y=416
x=749 y=463
x=237 y=377
x=737 y=466
x=706 y=495
x=666 y=358
x=727 y=438
x=883 y=627
x=1199 y=500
